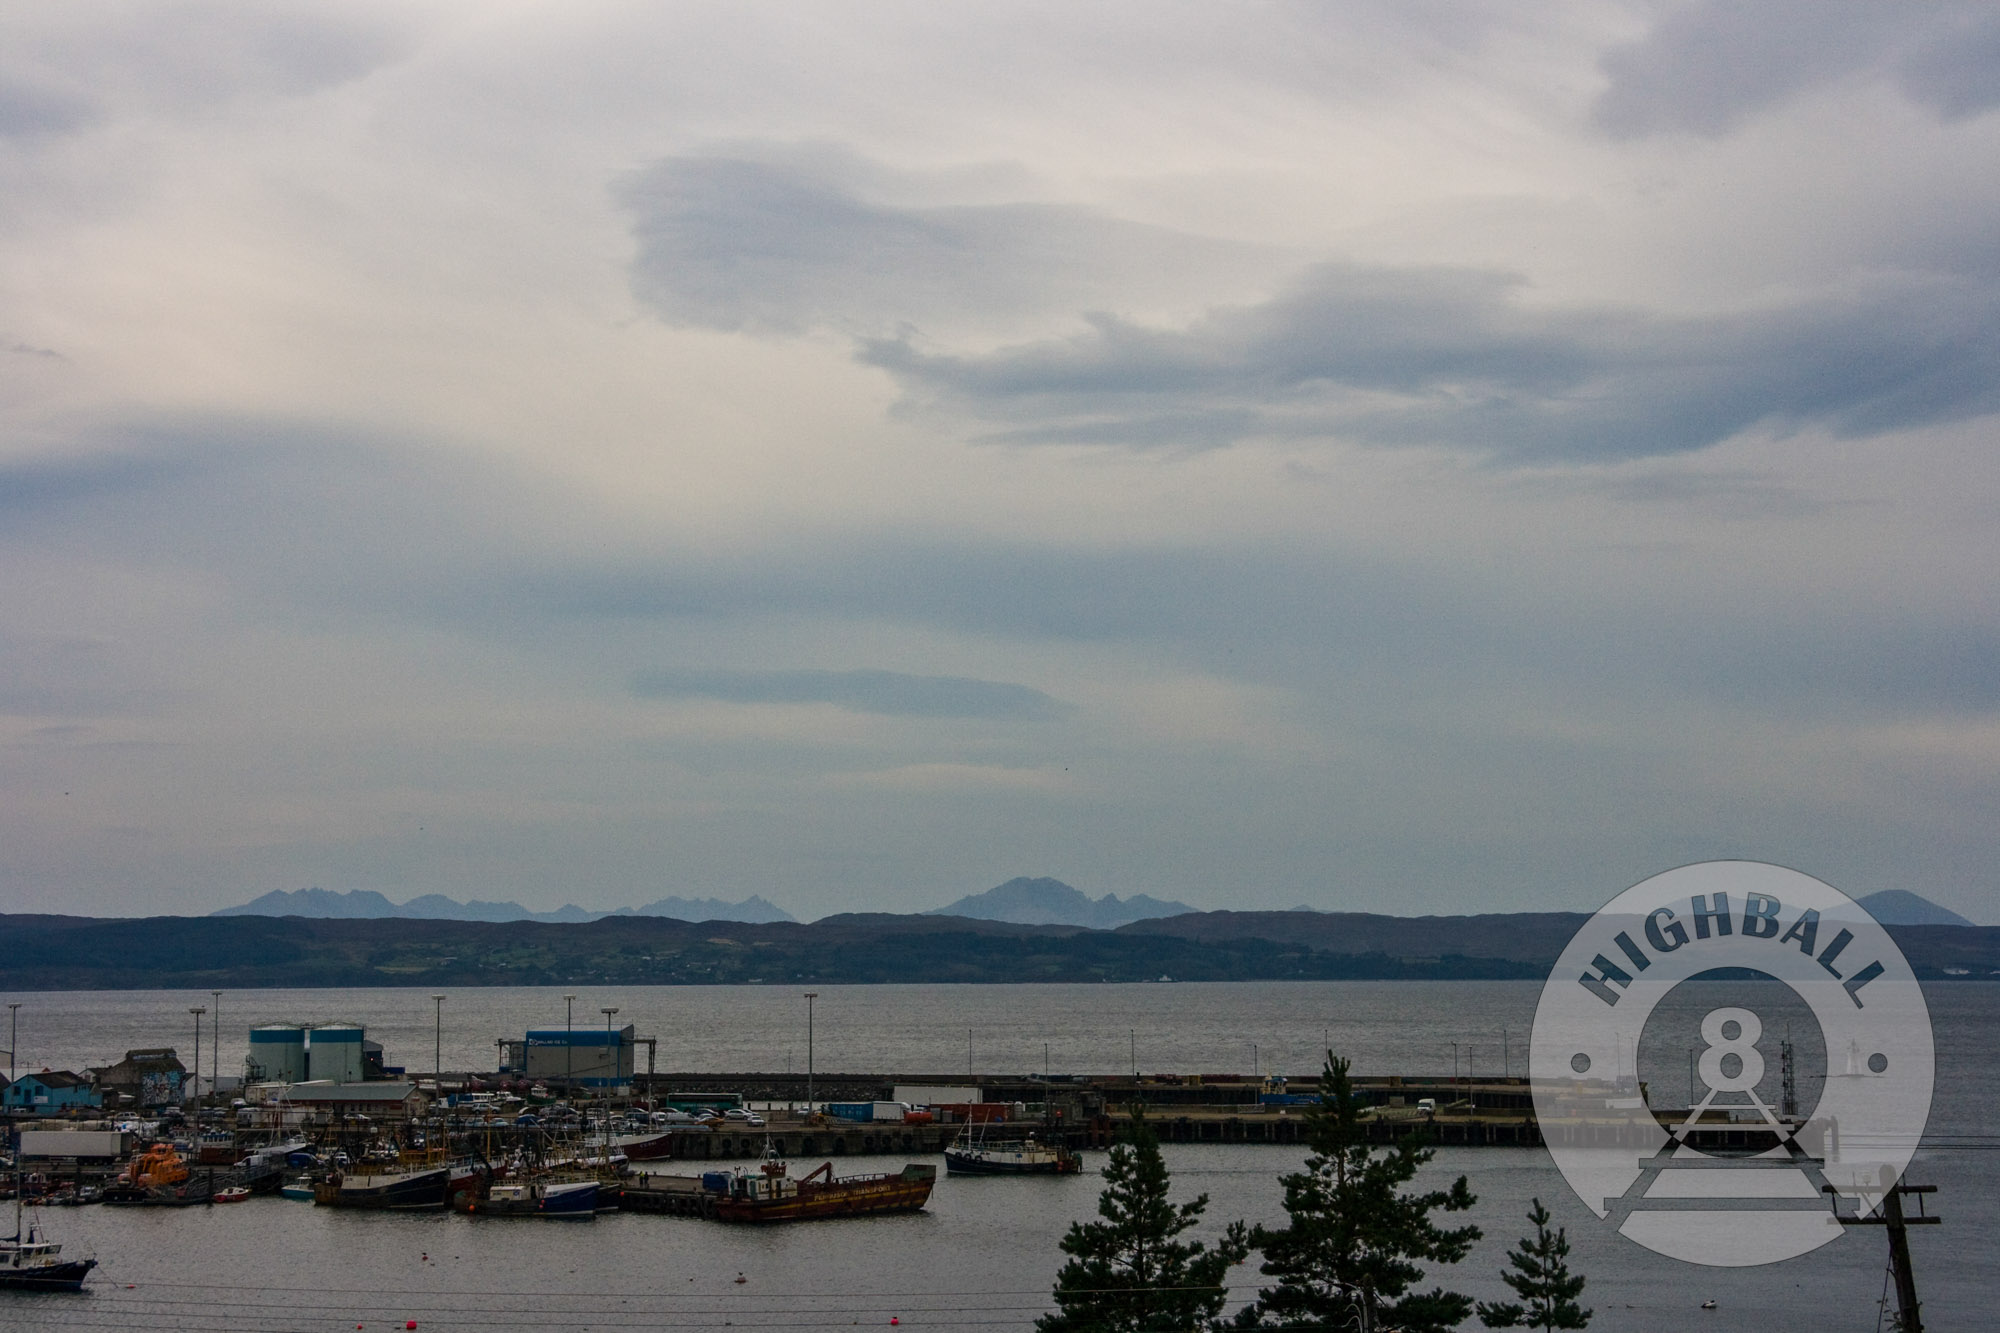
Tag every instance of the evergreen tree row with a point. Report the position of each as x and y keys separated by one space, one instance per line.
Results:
x=1351 y=1255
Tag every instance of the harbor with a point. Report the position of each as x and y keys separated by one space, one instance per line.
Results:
x=652 y=1247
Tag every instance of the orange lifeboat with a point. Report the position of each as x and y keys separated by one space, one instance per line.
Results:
x=158 y=1165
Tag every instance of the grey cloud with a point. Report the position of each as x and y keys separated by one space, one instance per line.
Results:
x=785 y=242
x=1957 y=73
x=888 y=693
x=58 y=76
x=305 y=531
x=28 y=111
x=1708 y=67
x=1404 y=357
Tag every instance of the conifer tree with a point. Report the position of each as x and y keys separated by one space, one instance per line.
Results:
x=1542 y=1279
x=1356 y=1240
x=1128 y=1273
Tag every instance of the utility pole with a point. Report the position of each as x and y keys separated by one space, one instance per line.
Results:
x=437 y=1047
x=811 y=995
x=13 y=1035
x=1909 y=1316
x=569 y=1045
x=197 y=1011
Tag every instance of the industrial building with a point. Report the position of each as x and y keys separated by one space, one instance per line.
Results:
x=585 y=1057
x=309 y=1052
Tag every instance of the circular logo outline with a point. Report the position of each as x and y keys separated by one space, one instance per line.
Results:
x=1652 y=1180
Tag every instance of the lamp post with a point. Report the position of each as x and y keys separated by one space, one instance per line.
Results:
x=1255 y=1071
x=215 y=1056
x=437 y=1046
x=608 y=1012
x=13 y=1035
x=811 y=995
x=197 y=1011
x=569 y=1047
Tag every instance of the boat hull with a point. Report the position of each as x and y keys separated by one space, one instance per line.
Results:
x=986 y=1164
x=403 y=1192
x=569 y=1200
x=854 y=1197
x=65 y=1276
x=646 y=1147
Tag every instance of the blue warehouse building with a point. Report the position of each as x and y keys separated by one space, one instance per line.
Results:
x=586 y=1057
x=50 y=1092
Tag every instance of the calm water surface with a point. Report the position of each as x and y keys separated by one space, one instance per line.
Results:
x=983 y=1255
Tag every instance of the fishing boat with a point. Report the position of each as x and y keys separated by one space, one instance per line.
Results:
x=31 y=1262
x=381 y=1186
x=770 y=1194
x=978 y=1155
x=299 y=1189
x=532 y=1198
x=652 y=1146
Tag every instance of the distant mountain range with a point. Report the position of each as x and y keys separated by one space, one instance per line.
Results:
x=1900 y=907
x=1050 y=902
x=366 y=904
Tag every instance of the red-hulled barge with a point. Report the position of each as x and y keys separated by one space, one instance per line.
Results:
x=769 y=1194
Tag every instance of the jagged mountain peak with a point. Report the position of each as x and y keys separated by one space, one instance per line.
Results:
x=1041 y=901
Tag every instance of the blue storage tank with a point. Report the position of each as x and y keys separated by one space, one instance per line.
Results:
x=278 y=1051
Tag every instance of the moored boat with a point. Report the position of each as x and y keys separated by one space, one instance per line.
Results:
x=769 y=1194
x=299 y=1189
x=645 y=1147
x=383 y=1188
x=32 y=1262
x=1010 y=1157
x=234 y=1194
x=533 y=1198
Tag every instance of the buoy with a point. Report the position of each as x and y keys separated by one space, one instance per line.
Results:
x=411 y=1324
x=893 y=1321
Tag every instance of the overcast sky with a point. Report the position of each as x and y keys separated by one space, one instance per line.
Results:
x=1408 y=455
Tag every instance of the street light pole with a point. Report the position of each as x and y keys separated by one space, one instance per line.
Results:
x=615 y=1053
x=437 y=1047
x=215 y=1056
x=811 y=995
x=197 y=1011
x=13 y=1035
x=569 y=1045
